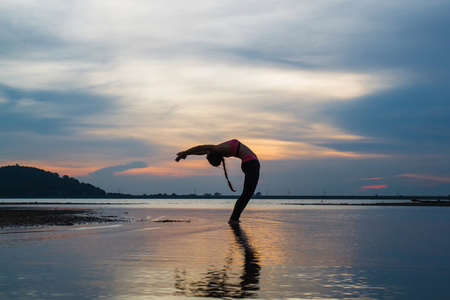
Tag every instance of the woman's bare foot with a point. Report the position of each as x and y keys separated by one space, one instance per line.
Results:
x=233 y=222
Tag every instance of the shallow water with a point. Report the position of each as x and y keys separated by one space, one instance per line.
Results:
x=201 y=202
x=300 y=252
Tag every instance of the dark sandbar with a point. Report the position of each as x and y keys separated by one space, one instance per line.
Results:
x=425 y=203
x=25 y=217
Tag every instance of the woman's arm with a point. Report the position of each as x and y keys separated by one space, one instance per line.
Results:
x=197 y=150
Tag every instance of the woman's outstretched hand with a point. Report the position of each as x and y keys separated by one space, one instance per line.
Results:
x=180 y=155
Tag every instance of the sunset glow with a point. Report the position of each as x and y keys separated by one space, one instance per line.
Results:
x=321 y=103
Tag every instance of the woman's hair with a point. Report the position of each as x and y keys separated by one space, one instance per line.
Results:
x=216 y=159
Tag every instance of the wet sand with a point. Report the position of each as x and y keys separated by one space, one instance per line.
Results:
x=315 y=252
x=26 y=217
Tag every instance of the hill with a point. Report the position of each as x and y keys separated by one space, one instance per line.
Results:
x=29 y=182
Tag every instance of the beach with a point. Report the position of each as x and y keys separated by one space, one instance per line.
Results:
x=185 y=251
x=18 y=216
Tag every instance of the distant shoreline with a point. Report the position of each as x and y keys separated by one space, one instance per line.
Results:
x=32 y=213
x=352 y=200
x=434 y=203
x=261 y=197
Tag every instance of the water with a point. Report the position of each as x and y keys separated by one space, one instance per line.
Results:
x=278 y=252
x=201 y=203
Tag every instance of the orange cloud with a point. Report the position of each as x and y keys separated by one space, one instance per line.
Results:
x=373 y=187
x=193 y=167
x=426 y=177
x=267 y=149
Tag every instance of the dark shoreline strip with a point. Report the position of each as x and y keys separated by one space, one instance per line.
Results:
x=434 y=203
x=65 y=203
x=18 y=217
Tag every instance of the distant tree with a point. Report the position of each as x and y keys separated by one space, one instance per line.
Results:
x=29 y=182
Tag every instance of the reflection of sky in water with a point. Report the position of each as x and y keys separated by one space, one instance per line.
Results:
x=308 y=253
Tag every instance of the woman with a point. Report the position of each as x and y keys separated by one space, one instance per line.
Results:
x=250 y=166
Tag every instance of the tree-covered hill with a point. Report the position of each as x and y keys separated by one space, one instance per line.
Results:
x=29 y=182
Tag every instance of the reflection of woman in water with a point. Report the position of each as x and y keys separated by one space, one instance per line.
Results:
x=251 y=271
x=250 y=166
x=221 y=283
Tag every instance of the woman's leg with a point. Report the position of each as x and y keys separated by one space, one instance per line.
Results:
x=251 y=171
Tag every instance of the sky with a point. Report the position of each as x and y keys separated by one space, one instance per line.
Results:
x=335 y=97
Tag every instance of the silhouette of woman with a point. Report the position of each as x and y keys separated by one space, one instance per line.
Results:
x=216 y=154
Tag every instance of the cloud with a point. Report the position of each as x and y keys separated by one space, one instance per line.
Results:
x=109 y=171
x=161 y=84
x=426 y=178
x=401 y=37
x=92 y=83
x=50 y=111
x=373 y=187
x=399 y=121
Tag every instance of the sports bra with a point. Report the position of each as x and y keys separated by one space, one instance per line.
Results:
x=234 y=150
x=234 y=147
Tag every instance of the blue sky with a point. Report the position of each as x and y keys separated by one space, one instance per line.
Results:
x=346 y=97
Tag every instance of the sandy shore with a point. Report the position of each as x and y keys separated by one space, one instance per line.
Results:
x=18 y=217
